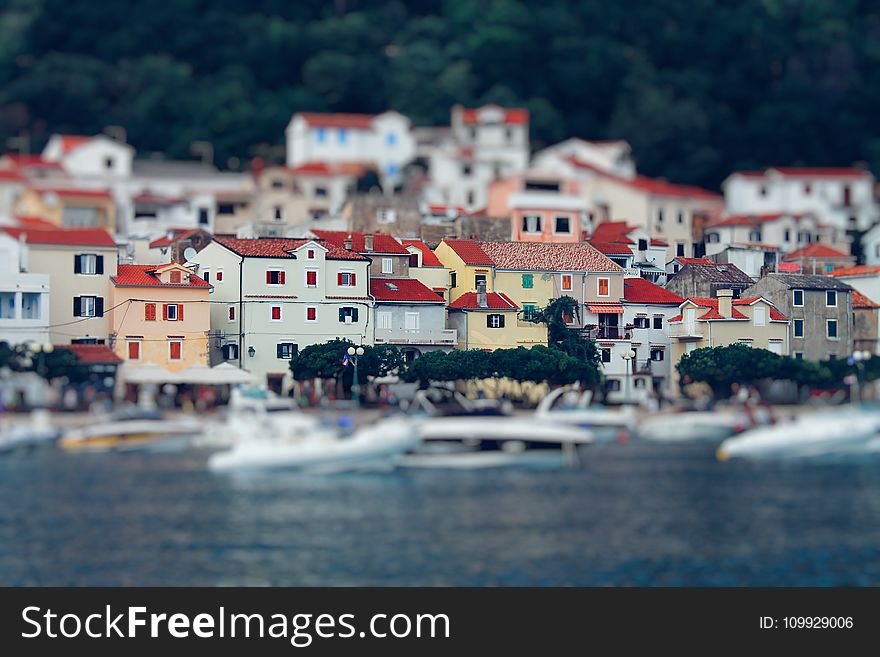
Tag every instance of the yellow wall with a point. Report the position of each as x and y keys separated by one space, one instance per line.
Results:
x=32 y=204
x=464 y=273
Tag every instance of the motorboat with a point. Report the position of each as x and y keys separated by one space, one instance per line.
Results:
x=322 y=450
x=574 y=407
x=833 y=433
x=699 y=426
x=463 y=439
x=37 y=431
x=133 y=429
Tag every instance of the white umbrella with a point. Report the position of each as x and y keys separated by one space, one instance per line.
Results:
x=148 y=373
x=228 y=373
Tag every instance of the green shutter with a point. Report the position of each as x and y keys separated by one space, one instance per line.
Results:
x=527 y=281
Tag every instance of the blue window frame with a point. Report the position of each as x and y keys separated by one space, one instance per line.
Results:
x=343 y=135
x=320 y=135
x=391 y=139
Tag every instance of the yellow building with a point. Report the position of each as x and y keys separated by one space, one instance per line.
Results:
x=723 y=321
x=84 y=208
x=160 y=315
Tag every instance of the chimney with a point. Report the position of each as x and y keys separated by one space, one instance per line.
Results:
x=348 y=242
x=725 y=302
x=368 y=242
x=482 y=300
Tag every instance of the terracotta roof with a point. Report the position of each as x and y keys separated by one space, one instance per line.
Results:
x=155 y=199
x=469 y=251
x=73 y=192
x=613 y=231
x=10 y=175
x=382 y=242
x=639 y=290
x=816 y=250
x=31 y=161
x=64 y=236
x=329 y=169
x=694 y=261
x=653 y=186
x=859 y=300
x=512 y=116
x=429 y=258
x=713 y=313
x=173 y=235
x=775 y=315
x=278 y=247
x=444 y=209
x=611 y=248
x=70 y=142
x=494 y=301
x=34 y=222
x=656 y=242
x=402 y=290
x=355 y=121
x=145 y=275
x=540 y=256
x=858 y=270
x=92 y=354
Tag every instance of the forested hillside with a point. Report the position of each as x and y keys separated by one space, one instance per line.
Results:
x=697 y=86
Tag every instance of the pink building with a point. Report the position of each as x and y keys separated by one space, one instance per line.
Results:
x=547 y=217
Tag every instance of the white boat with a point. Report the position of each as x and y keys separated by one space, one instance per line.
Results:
x=137 y=430
x=324 y=450
x=38 y=431
x=574 y=407
x=692 y=426
x=834 y=433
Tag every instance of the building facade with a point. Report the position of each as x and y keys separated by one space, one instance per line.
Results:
x=24 y=296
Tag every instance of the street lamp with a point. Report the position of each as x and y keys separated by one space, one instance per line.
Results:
x=353 y=357
x=628 y=357
x=858 y=359
x=41 y=350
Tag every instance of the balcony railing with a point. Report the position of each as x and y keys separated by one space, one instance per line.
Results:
x=417 y=336
x=685 y=331
x=607 y=332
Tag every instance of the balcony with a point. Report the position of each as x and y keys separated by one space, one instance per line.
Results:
x=643 y=366
x=685 y=331
x=595 y=332
x=441 y=337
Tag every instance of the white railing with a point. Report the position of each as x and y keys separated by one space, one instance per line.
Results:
x=417 y=336
x=685 y=330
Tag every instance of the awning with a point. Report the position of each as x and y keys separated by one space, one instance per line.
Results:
x=606 y=308
x=214 y=376
x=148 y=373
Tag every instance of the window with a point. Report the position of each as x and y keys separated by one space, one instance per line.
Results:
x=643 y=245
x=391 y=140
x=203 y=216
x=88 y=263
x=466 y=170
x=612 y=385
x=386 y=216
x=310 y=254
x=88 y=306
x=786 y=236
x=799 y=355
x=508 y=134
x=528 y=281
x=829 y=268
x=311 y=314
x=30 y=305
x=342 y=135
x=658 y=354
x=798 y=327
x=755 y=236
x=277 y=184
x=658 y=321
x=681 y=217
x=641 y=323
x=320 y=192
x=531 y=223
x=219 y=276
x=172 y=312
x=414 y=260
x=713 y=238
x=274 y=277
x=606 y=354
x=387 y=265
x=411 y=321
x=383 y=319
x=659 y=215
x=277 y=213
x=348 y=315
x=275 y=313
x=320 y=135
x=311 y=278
x=134 y=349
x=494 y=320
x=478 y=279
x=679 y=250
x=206 y=276
x=471 y=197
x=847 y=195
x=175 y=348
x=831 y=298
x=762 y=190
x=149 y=312
x=760 y=316
x=563 y=226
x=567 y=282
x=225 y=208
x=230 y=351
x=603 y=287
x=808 y=188
x=831 y=329
x=530 y=312
x=797 y=298
x=108 y=162
x=347 y=278
x=230 y=313
x=453 y=279
x=775 y=346
x=286 y=350
x=639 y=383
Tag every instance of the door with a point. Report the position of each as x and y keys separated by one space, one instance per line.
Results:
x=608 y=326
x=690 y=321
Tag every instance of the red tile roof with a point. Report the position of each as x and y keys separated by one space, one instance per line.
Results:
x=613 y=231
x=31 y=161
x=775 y=315
x=694 y=261
x=653 y=186
x=382 y=242
x=469 y=251
x=816 y=250
x=858 y=270
x=92 y=354
x=402 y=290
x=329 y=169
x=10 y=175
x=540 y=256
x=69 y=142
x=859 y=300
x=34 y=222
x=712 y=304
x=429 y=258
x=173 y=235
x=278 y=247
x=656 y=242
x=822 y=172
x=73 y=192
x=639 y=290
x=64 y=236
x=512 y=116
x=337 y=120
x=444 y=209
x=145 y=275
x=155 y=199
x=494 y=301
x=611 y=248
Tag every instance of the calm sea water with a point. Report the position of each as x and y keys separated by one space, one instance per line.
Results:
x=633 y=515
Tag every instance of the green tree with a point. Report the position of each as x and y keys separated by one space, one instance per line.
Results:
x=324 y=361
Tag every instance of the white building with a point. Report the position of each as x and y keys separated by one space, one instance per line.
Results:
x=98 y=157
x=24 y=296
x=484 y=144
x=612 y=156
x=383 y=140
x=785 y=231
x=842 y=197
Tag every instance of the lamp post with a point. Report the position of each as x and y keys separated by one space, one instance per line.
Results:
x=353 y=356
x=858 y=359
x=41 y=350
x=628 y=357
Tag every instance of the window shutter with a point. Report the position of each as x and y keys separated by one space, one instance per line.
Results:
x=77 y=304
x=77 y=264
x=278 y=351
x=354 y=315
x=99 y=264
x=180 y=312
x=352 y=278
x=150 y=312
x=341 y=314
x=268 y=277
x=281 y=278
x=99 y=306
x=500 y=321
x=165 y=312
x=339 y=279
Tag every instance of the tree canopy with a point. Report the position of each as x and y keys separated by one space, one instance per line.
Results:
x=324 y=361
x=698 y=87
